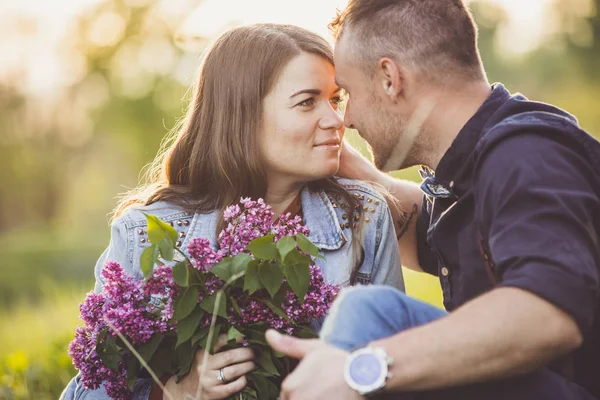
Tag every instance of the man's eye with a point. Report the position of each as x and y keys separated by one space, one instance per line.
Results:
x=307 y=103
x=337 y=100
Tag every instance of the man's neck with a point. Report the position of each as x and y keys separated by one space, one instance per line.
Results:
x=451 y=113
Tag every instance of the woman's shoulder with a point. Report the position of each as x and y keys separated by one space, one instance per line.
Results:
x=362 y=188
x=135 y=215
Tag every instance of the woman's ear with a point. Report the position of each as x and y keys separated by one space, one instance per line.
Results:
x=391 y=78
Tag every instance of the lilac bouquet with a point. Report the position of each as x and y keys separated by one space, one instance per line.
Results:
x=261 y=276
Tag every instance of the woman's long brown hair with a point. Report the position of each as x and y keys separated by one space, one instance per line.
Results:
x=212 y=159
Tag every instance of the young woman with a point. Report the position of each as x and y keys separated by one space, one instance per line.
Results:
x=264 y=122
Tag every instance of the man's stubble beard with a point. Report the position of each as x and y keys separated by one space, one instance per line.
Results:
x=406 y=150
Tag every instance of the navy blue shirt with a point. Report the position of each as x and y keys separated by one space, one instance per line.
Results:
x=521 y=180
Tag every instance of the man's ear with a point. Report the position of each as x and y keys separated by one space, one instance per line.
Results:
x=391 y=77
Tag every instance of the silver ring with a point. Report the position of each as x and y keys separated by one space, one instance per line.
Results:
x=221 y=376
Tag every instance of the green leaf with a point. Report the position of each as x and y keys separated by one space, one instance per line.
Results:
x=187 y=326
x=133 y=370
x=281 y=293
x=181 y=274
x=306 y=333
x=271 y=276
x=276 y=309
x=307 y=246
x=263 y=248
x=200 y=334
x=148 y=259
x=251 y=280
x=236 y=306
x=166 y=250
x=223 y=268
x=204 y=341
x=296 y=257
x=163 y=361
x=298 y=277
x=233 y=333
x=285 y=245
x=273 y=390
x=228 y=267
x=240 y=263
x=185 y=302
x=251 y=393
x=148 y=349
x=159 y=230
x=261 y=385
x=185 y=357
x=266 y=363
x=109 y=352
x=208 y=304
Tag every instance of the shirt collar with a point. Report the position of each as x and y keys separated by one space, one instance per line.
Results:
x=457 y=155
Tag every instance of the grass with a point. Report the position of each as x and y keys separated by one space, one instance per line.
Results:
x=34 y=363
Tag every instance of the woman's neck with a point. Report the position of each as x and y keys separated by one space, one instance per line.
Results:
x=279 y=196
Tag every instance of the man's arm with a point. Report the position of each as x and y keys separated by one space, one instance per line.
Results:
x=496 y=335
x=503 y=333
x=405 y=205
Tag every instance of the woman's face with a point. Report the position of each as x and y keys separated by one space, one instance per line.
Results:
x=302 y=126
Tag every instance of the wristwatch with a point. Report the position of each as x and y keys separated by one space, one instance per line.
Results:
x=367 y=370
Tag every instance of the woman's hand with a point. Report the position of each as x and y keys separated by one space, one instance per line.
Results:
x=234 y=364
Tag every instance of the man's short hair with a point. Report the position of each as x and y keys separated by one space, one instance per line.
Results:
x=438 y=37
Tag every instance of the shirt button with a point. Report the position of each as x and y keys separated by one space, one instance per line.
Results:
x=445 y=271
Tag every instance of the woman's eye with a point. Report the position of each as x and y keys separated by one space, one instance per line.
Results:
x=307 y=103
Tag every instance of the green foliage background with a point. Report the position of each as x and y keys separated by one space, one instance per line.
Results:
x=63 y=162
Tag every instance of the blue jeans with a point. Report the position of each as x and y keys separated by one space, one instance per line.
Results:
x=367 y=313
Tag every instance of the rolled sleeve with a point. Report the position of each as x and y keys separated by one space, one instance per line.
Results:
x=537 y=203
x=387 y=267
x=427 y=259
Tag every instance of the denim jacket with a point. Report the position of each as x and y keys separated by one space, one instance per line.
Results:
x=323 y=214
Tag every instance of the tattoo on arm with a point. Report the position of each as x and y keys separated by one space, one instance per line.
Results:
x=406 y=220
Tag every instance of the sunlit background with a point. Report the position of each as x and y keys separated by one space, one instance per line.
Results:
x=89 y=87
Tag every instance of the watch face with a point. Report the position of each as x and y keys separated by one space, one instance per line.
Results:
x=365 y=369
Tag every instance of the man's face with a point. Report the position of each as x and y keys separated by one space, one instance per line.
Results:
x=368 y=109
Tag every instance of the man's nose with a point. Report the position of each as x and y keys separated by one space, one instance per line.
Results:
x=348 y=116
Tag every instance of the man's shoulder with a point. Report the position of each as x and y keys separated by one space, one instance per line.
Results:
x=522 y=122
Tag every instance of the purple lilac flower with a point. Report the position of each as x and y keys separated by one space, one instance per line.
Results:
x=136 y=309
x=202 y=255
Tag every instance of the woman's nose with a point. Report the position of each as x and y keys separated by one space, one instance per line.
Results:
x=332 y=119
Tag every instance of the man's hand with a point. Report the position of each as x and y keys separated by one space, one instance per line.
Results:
x=354 y=165
x=320 y=374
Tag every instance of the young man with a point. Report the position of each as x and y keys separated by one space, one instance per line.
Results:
x=510 y=223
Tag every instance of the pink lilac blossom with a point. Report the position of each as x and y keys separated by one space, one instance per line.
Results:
x=138 y=309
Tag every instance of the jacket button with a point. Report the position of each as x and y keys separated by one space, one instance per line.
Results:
x=445 y=271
